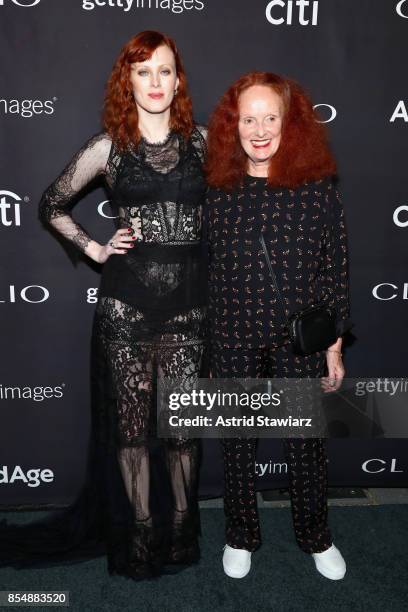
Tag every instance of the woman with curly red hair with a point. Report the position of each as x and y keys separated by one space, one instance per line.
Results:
x=139 y=502
x=270 y=173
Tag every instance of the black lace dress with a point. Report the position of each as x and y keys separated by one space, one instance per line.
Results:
x=139 y=501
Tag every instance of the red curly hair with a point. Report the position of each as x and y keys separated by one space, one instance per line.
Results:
x=120 y=116
x=303 y=154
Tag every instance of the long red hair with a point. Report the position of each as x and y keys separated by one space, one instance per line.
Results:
x=120 y=116
x=303 y=154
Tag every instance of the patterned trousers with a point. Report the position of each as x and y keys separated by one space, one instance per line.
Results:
x=306 y=458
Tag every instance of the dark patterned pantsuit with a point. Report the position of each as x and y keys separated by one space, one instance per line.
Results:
x=306 y=458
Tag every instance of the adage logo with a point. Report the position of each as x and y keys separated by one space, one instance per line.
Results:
x=32 y=478
x=400 y=112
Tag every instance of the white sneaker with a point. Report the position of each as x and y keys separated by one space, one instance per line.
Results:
x=236 y=561
x=330 y=563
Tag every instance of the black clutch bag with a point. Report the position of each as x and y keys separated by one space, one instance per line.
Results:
x=311 y=329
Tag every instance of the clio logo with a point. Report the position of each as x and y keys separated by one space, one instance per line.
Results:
x=102 y=212
x=23 y=3
x=389 y=291
x=373 y=466
x=33 y=294
x=331 y=112
x=401 y=220
x=398 y=8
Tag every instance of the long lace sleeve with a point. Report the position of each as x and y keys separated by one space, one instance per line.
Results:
x=336 y=258
x=54 y=208
x=199 y=140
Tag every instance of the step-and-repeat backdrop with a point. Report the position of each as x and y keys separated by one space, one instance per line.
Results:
x=56 y=58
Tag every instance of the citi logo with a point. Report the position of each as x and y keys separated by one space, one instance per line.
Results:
x=396 y=217
x=23 y=3
x=374 y=466
x=303 y=12
x=329 y=113
x=32 y=478
x=10 y=213
x=400 y=112
x=389 y=291
x=399 y=7
x=101 y=210
x=33 y=294
x=27 y=108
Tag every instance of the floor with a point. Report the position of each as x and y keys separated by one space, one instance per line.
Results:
x=337 y=497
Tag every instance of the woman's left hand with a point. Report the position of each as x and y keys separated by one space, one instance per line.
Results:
x=335 y=370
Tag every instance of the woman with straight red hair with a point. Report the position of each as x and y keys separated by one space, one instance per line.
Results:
x=273 y=212
x=139 y=502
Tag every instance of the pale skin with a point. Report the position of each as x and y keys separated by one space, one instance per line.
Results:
x=154 y=83
x=261 y=114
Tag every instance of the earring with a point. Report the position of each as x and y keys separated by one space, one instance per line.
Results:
x=175 y=92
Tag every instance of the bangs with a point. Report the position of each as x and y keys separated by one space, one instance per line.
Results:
x=147 y=45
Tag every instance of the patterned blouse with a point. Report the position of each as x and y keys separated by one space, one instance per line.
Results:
x=305 y=234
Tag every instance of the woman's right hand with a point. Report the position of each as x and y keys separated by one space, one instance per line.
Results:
x=121 y=241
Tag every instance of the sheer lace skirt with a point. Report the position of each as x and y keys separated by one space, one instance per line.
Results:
x=138 y=504
x=157 y=477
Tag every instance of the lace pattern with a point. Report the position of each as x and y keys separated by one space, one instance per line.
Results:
x=148 y=170
x=87 y=164
x=139 y=502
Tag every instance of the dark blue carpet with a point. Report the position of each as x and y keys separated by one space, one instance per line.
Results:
x=373 y=541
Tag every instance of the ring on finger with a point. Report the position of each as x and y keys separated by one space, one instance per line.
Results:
x=112 y=244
